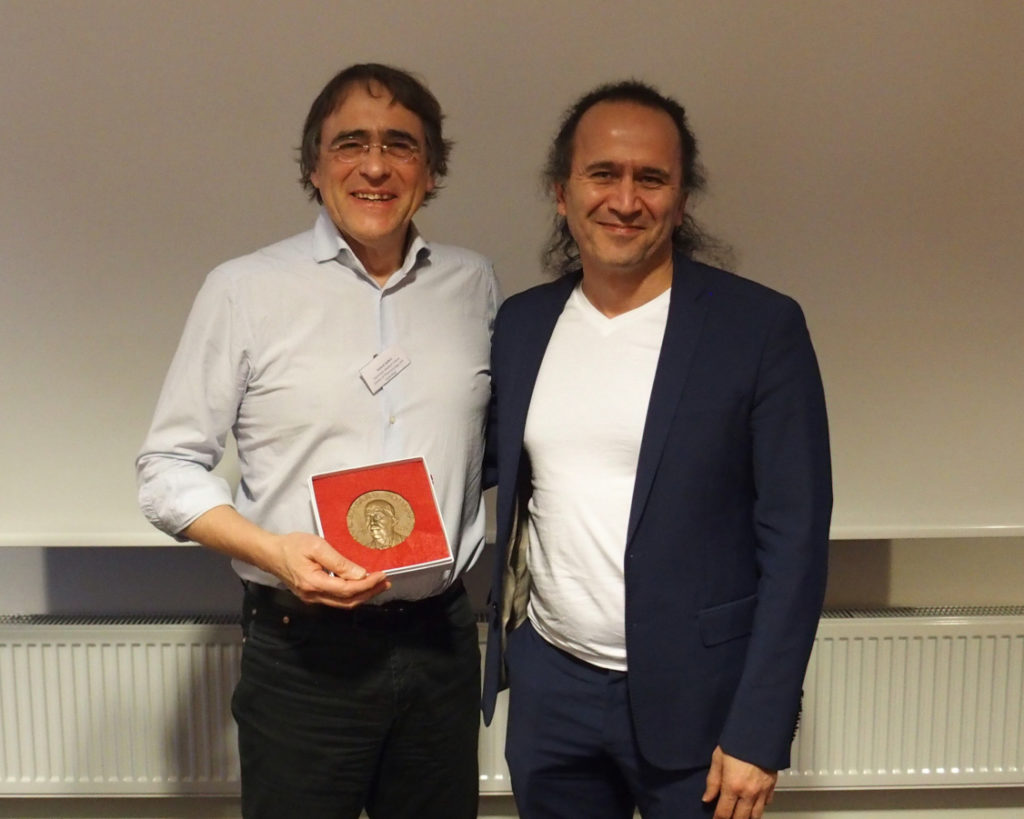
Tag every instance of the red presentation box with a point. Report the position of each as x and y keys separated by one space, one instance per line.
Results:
x=384 y=516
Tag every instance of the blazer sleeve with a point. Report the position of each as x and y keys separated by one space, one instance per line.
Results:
x=792 y=512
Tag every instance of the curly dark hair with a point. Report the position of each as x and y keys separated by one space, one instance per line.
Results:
x=404 y=89
x=561 y=254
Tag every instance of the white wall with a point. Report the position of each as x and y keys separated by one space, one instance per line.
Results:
x=863 y=156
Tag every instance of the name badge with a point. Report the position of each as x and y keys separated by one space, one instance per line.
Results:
x=382 y=368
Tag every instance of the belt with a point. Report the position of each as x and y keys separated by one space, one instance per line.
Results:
x=393 y=613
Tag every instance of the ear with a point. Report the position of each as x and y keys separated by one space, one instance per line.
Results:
x=560 y=198
x=682 y=210
x=430 y=182
x=314 y=177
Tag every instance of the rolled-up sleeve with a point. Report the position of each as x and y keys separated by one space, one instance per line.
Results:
x=196 y=410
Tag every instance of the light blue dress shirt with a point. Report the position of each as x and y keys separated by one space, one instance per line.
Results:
x=272 y=352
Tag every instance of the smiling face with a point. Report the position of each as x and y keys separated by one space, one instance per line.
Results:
x=372 y=200
x=624 y=196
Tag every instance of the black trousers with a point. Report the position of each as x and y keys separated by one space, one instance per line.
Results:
x=375 y=708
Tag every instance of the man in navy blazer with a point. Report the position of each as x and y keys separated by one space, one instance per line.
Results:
x=659 y=433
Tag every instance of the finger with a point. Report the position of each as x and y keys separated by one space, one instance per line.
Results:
x=742 y=809
x=350 y=599
x=358 y=599
x=757 y=811
x=332 y=590
x=713 y=784
x=725 y=806
x=343 y=589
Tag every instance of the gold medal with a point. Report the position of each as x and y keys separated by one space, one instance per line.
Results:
x=380 y=519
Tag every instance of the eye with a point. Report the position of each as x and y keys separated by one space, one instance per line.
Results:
x=348 y=148
x=401 y=149
x=651 y=181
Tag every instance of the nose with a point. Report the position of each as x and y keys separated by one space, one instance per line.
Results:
x=373 y=164
x=623 y=199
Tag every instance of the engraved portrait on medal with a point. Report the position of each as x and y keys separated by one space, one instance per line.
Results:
x=380 y=519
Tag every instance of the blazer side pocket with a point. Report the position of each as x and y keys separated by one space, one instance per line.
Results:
x=727 y=621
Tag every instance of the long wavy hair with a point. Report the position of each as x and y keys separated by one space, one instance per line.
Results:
x=561 y=254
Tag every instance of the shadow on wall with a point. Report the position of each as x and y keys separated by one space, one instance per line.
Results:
x=172 y=580
x=859 y=574
x=186 y=580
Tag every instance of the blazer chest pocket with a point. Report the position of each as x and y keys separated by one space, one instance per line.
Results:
x=727 y=621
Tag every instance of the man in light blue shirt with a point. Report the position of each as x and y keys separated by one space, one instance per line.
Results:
x=353 y=694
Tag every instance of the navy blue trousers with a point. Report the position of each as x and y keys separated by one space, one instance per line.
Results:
x=342 y=711
x=571 y=748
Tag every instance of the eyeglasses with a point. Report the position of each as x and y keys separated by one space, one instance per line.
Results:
x=354 y=150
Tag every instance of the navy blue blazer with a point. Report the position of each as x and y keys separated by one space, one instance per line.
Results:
x=726 y=551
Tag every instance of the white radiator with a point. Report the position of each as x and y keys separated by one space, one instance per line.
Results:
x=117 y=706
x=913 y=698
x=896 y=698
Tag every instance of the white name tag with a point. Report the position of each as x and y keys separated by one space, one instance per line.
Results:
x=382 y=368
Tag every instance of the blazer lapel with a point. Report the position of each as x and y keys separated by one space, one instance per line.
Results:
x=686 y=313
x=533 y=345
x=514 y=494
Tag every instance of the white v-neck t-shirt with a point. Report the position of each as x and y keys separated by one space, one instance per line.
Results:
x=583 y=434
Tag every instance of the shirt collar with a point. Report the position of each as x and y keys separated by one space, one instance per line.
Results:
x=329 y=244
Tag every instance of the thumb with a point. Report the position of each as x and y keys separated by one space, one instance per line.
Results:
x=714 y=780
x=337 y=564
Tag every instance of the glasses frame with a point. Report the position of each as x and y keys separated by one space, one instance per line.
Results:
x=335 y=152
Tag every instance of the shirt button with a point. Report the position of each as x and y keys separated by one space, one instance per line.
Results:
x=391 y=420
